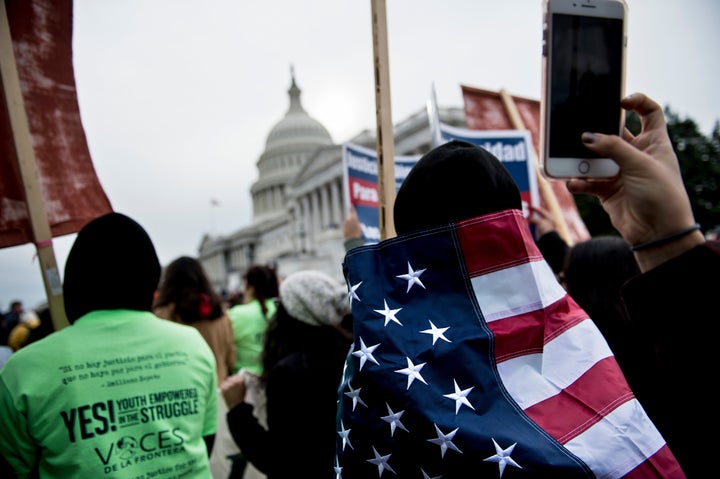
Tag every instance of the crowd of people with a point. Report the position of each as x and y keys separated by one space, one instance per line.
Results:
x=20 y=327
x=157 y=376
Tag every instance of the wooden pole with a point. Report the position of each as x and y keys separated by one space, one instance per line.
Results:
x=29 y=174
x=385 y=137
x=546 y=191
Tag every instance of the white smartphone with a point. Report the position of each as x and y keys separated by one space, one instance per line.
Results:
x=583 y=81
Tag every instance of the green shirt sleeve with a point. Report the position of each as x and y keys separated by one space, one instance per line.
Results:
x=16 y=445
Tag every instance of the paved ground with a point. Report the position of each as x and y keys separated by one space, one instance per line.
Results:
x=224 y=444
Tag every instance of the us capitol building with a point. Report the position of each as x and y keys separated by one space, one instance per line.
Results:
x=298 y=200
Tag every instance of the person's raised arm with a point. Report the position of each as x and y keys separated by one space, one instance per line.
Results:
x=647 y=203
x=352 y=230
x=552 y=246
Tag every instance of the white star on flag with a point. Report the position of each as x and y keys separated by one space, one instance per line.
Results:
x=445 y=441
x=345 y=435
x=460 y=397
x=394 y=419
x=381 y=462
x=412 y=277
x=355 y=395
x=338 y=469
x=427 y=476
x=352 y=294
x=502 y=457
x=412 y=372
x=437 y=333
x=389 y=313
x=365 y=353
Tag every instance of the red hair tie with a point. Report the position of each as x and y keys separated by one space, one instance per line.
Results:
x=205 y=306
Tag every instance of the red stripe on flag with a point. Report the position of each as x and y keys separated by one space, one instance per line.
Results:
x=595 y=394
x=518 y=335
x=661 y=464
x=528 y=333
x=496 y=241
x=561 y=316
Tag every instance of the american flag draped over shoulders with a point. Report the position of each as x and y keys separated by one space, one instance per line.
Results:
x=470 y=360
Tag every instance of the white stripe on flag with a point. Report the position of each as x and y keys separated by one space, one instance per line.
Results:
x=626 y=434
x=532 y=378
x=533 y=286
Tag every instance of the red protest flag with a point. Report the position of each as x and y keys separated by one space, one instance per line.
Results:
x=41 y=33
x=48 y=185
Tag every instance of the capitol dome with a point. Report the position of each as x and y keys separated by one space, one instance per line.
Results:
x=289 y=145
x=296 y=128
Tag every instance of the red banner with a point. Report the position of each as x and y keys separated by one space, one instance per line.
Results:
x=485 y=110
x=41 y=33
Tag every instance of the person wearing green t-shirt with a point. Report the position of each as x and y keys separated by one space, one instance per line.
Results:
x=250 y=319
x=120 y=393
x=249 y=323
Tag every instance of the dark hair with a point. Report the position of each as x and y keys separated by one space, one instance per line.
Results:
x=264 y=281
x=595 y=271
x=185 y=284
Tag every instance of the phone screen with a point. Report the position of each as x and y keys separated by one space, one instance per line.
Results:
x=586 y=77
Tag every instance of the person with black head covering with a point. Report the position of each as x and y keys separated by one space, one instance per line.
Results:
x=453 y=182
x=119 y=392
x=468 y=355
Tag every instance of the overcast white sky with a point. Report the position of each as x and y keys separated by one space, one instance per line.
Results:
x=177 y=96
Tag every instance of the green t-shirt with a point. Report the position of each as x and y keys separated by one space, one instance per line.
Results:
x=249 y=326
x=119 y=394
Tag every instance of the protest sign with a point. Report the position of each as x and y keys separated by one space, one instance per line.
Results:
x=360 y=180
x=360 y=170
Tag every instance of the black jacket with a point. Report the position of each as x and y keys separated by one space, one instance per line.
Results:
x=676 y=306
x=301 y=391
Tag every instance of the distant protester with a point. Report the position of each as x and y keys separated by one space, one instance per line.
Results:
x=29 y=321
x=250 y=319
x=10 y=319
x=186 y=297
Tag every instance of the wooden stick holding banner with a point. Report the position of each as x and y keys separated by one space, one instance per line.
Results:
x=385 y=136
x=29 y=174
x=546 y=191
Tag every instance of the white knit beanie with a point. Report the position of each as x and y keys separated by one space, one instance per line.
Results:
x=314 y=298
